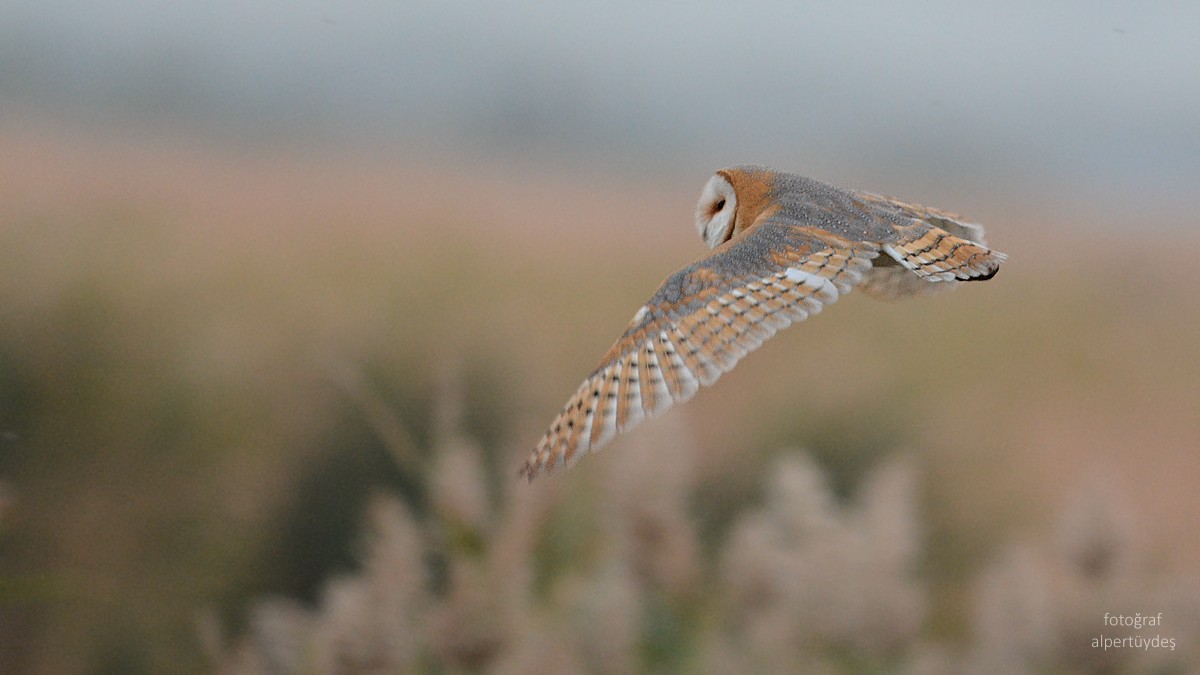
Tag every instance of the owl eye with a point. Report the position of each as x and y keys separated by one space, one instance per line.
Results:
x=720 y=205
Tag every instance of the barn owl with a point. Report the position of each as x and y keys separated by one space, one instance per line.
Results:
x=783 y=246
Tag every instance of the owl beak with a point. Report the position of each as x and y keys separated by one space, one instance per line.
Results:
x=719 y=238
x=725 y=236
x=729 y=232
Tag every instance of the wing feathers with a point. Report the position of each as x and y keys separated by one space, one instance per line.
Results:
x=648 y=390
x=938 y=255
x=679 y=383
x=673 y=348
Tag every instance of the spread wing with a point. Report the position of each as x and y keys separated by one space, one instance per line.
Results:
x=698 y=325
x=939 y=246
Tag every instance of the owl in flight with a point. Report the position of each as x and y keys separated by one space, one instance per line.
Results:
x=783 y=246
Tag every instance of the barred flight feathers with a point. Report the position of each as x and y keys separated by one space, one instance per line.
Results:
x=696 y=327
x=937 y=255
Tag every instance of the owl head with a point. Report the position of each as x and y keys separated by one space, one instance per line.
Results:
x=731 y=201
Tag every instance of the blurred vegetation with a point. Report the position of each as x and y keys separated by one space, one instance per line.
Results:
x=250 y=425
x=606 y=574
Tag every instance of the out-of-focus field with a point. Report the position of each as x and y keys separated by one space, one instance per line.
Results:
x=211 y=359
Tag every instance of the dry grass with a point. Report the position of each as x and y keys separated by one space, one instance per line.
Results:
x=209 y=359
x=799 y=583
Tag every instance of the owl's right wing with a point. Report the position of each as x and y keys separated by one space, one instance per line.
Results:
x=938 y=246
x=945 y=220
x=698 y=325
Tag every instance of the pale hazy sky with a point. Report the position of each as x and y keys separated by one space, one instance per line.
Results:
x=1094 y=92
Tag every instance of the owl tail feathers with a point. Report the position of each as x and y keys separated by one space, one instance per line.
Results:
x=937 y=255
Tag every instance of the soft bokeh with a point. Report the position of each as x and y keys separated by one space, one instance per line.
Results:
x=290 y=289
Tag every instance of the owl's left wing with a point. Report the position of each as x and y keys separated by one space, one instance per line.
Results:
x=698 y=325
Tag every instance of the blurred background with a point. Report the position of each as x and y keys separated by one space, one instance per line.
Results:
x=288 y=290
